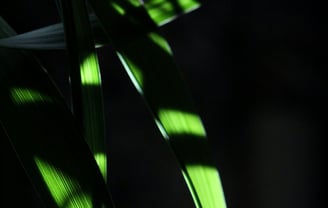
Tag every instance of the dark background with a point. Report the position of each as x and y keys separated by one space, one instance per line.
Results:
x=256 y=71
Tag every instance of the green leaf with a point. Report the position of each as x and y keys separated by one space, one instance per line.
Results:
x=164 y=11
x=85 y=78
x=43 y=132
x=148 y=61
x=170 y=103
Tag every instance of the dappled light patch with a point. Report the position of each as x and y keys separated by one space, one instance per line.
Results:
x=179 y=122
x=89 y=70
x=22 y=96
x=65 y=190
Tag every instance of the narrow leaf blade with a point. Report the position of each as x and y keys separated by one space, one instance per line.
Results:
x=85 y=78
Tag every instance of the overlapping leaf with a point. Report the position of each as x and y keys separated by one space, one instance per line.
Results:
x=43 y=132
x=131 y=28
x=85 y=78
x=148 y=60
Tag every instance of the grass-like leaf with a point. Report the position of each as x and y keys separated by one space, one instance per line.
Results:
x=164 y=91
x=42 y=130
x=148 y=60
x=85 y=78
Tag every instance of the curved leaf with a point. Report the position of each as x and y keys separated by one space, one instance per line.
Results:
x=148 y=61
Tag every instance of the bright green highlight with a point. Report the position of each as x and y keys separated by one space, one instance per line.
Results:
x=133 y=72
x=188 y=4
x=90 y=74
x=79 y=201
x=163 y=11
x=160 y=11
x=161 y=42
x=118 y=8
x=135 y=3
x=65 y=191
x=207 y=184
x=24 y=96
x=178 y=122
x=101 y=160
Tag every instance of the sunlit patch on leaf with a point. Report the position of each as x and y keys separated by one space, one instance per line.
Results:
x=101 y=160
x=89 y=69
x=118 y=8
x=164 y=11
x=207 y=184
x=161 y=42
x=178 y=122
x=21 y=96
x=66 y=191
